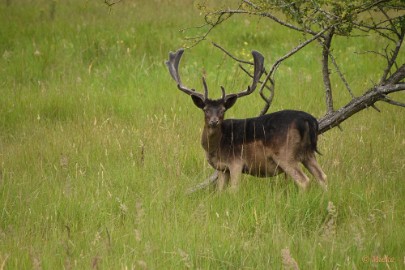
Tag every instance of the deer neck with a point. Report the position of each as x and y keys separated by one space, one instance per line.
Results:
x=211 y=139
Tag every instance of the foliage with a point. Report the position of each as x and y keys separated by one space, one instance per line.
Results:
x=315 y=15
x=323 y=13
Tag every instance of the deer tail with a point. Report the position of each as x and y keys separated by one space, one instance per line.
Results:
x=313 y=134
x=308 y=129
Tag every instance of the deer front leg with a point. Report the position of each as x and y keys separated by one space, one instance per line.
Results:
x=235 y=173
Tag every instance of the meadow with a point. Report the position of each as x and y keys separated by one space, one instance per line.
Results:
x=97 y=148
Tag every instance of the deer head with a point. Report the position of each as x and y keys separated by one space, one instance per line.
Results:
x=214 y=110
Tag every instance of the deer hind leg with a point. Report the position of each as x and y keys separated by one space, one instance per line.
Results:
x=313 y=167
x=223 y=179
x=292 y=168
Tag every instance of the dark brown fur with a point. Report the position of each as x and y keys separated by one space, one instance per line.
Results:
x=262 y=146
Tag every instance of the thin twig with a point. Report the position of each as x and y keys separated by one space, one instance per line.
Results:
x=263 y=14
x=342 y=77
x=219 y=20
x=111 y=3
x=393 y=102
x=370 y=6
x=389 y=20
x=374 y=52
x=232 y=56
x=250 y=4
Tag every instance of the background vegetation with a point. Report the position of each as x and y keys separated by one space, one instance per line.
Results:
x=97 y=148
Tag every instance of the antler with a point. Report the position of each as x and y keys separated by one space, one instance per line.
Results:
x=258 y=71
x=173 y=65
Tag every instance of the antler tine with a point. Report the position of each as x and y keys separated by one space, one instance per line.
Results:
x=258 y=71
x=205 y=88
x=223 y=93
x=173 y=66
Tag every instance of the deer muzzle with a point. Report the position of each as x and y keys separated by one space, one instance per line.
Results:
x=214 y=122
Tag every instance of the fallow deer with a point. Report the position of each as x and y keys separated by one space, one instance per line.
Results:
x=262 y=146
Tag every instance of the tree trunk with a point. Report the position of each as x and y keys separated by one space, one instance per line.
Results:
x=325 y=70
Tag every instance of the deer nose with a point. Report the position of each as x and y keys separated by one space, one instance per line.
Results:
x=214 y=122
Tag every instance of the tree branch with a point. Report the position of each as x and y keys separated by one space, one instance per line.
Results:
x=332 y=23
x=325 y=70
x=357 y=104
x=270 y=75
x=397 y=76
x=207 y=182
x=390 y=21
x=394 y=56
x=218 y=21
x=367 y=7
x=230 y=12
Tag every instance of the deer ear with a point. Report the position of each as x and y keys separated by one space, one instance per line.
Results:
x=230 y=101
x=198 y=101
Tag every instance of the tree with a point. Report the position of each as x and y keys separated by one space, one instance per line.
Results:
x=321 y=21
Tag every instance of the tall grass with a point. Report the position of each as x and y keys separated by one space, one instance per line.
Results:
x=97 y=148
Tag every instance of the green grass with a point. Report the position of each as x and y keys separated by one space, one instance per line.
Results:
x=97 y=149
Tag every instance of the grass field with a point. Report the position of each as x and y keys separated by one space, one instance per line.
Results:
x=97 y=148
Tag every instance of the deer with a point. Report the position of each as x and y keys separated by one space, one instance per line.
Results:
x=263 y=146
